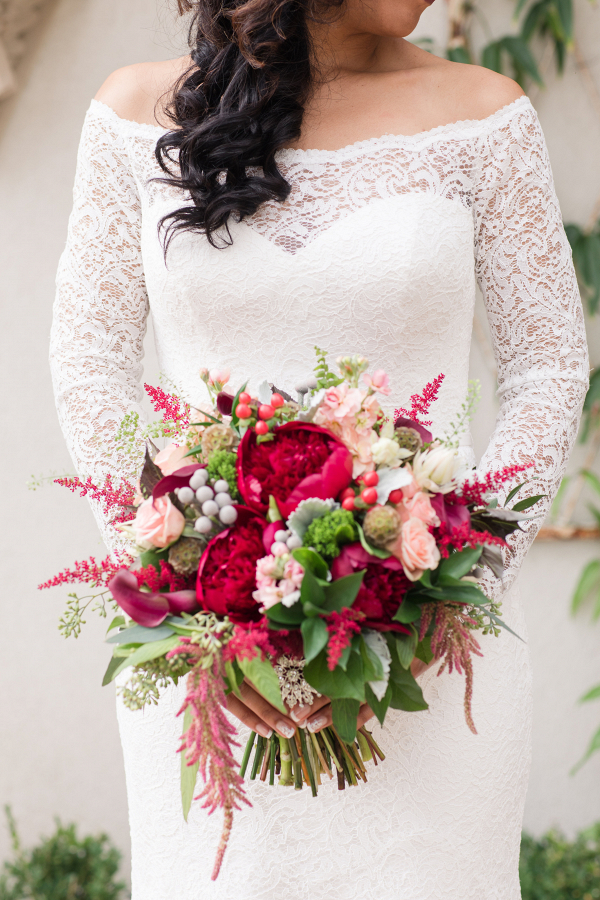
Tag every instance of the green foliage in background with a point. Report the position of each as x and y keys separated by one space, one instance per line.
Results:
x=553 y=868
x=61 y=867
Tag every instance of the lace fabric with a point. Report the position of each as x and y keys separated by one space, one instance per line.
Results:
x=378 y=250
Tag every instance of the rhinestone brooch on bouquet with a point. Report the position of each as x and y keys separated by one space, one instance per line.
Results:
x=294 y=687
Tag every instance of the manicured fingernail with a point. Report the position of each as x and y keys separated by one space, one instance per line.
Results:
x=264 y=730
x=316 y=724
x=299 y=712
x=286 y=730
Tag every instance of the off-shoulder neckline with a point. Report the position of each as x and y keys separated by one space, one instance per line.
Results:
x=465 y=127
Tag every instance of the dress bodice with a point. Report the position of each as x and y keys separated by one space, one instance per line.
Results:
x=377 y=250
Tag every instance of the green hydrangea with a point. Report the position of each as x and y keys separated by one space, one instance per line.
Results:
x=327 y=534
x=222 y=464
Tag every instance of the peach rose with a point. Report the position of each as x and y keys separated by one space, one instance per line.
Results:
x=419 y=507
x=418 y=550
x=172 y=458
x=157 y=523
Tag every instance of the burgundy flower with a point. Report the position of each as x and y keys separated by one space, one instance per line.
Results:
x=148 y=608
x=382 y=591
x=227 y=570
x=302 y=461
x=450 y=510
x=225 y=403
x=403 y=422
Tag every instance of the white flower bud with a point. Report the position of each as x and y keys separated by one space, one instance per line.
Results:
x=186 y=494
x=210 y=508
x=228 y=515
x=282 y=535
x=198 y=479
x=223 y=499
x=203 y=525
x=221 y=486
x=204 y=493
x=294 y=542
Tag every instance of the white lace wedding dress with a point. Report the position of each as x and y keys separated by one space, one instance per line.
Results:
x=377 y=250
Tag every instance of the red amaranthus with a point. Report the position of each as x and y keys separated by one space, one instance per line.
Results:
x=210 y=738
x=172 y=408
x=88 y=571
x=110 y=496
x=474 y=490
x=341 y=626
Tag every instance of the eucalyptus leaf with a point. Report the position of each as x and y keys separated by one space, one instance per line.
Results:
x=145 y=653
x=111 y=671
x=117 y=622
x=137 y=634
x=264 y=678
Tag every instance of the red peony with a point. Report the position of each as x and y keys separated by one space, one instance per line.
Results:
x=227 y=570
x=382 y=591
x=302 y=461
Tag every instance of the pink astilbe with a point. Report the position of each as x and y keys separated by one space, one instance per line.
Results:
x=148 y=576
x=210 y=738
x=341 y=626
x=454 y=641
x=246 y=643
x=474 y=491
x=88 y=571
x=420 y=403
x=111 y=497
x=172 y=408
x=464 y=536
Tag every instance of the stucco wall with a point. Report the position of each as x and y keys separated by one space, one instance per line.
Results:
x=58 y=742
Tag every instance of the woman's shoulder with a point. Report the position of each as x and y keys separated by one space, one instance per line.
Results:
x=139 y=92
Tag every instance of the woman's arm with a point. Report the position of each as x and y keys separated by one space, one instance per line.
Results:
x=100 y=309
x=525 y=271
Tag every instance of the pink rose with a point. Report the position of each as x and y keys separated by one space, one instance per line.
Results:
x=379 y=381
x=419 y=507
x=172 y=458
x=339 y=403
x=416 y=549
x=157 y=523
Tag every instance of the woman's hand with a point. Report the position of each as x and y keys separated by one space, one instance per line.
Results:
x=258 y=714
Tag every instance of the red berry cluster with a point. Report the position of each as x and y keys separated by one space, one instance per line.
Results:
x=368 y=494
x=266 y=411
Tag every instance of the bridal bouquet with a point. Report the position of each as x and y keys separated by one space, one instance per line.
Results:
x=313 y=546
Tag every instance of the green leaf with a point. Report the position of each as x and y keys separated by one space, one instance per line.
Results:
x=145 y=653
x=286 y=615
x=374 y=551
x=529 y=501
x=514 y=492
x=234 y=418
x=342 y=592
x=406 y=646
x=465 y=592
x=593 y=694
x=111 y=671
x=189 y=774
x=153 y=558
x=137 y=634
x=373 y=667
x=491 y=57
x=406 y=693
x=315 y=635
x=459 y=55
x=588 y=582
x=311 y=592
x=534 y=20
x=312 y=561
x=262 y=675
x=117 y=622
x=379 y=707
x=423 y=651
x=408 y=612
x=593 y=748
x=345 y=715
x=522 y=57
x=337 y=684
x=565 y=14
x=235 y=676
x=592 y=479
x=459 y=564
x=595 y=512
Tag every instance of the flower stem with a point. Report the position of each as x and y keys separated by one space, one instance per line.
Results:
x=365 y=750
x=286 y=778
x=329 y=745
x=260 y=746
x=373 y=745
x=247 y=752
x=319 y=753
x=311 y=774
x=266 y=760
x=272 y=760
x=297 y=764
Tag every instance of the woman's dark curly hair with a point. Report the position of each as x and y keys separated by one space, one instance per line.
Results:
x=241 y=101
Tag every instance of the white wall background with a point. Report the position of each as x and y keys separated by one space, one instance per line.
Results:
x=59 y=746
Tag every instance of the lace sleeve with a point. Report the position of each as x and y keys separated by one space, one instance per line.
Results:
x=525 y=271
x=100 y=310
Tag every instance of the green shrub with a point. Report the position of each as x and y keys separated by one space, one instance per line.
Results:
x=553 y=868
x=61 y=867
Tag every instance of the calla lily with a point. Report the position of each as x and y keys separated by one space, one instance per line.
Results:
x=148 y=609
x=451 y=514
x=179 y=479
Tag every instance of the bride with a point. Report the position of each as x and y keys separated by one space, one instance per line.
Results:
x=307 y=176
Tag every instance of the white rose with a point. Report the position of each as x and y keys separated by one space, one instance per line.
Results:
x=386 y=452
x=439 y=470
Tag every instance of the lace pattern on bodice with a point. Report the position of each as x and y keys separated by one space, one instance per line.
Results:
x=496 y=169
